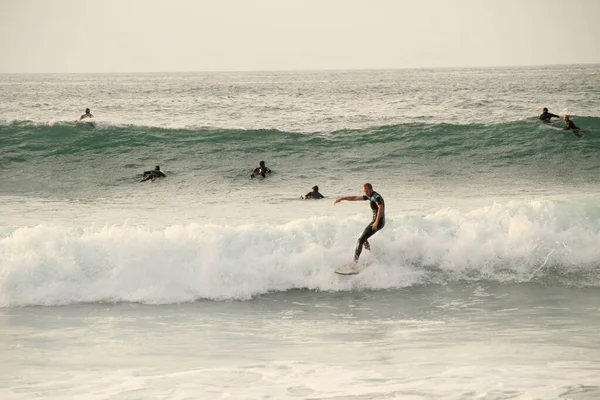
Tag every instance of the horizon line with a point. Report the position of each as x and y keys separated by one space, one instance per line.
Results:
x=303 y=70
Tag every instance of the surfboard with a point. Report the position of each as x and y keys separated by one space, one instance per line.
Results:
x=348 y=269
x=555 y=125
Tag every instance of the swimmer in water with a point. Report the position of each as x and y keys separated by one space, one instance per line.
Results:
x=261 y=170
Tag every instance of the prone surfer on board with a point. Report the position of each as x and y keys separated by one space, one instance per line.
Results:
x=570 y=126
x=315 y=195
x=378 y=206
x=152 y=175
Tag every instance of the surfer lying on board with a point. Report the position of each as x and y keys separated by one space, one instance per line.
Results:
x=546 y=116
x=261 y=170
x=378 y=206
x=570 y=126
x=151 y=175
x=315 y=195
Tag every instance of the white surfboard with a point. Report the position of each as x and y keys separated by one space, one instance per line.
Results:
x=349 y=269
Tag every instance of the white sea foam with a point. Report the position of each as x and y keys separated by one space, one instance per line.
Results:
x=518 y=241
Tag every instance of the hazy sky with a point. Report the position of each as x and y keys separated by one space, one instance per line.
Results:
x=214 y=35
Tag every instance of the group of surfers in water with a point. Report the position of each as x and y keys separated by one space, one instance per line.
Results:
x=376 y=201
x=547 y=116
x=263 y=171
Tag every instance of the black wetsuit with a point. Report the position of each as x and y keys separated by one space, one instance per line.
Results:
x=87 y=115
x=546 y=116
x=570 y=126
x=314 y=195
x=153 y=175
x=262 y=171
x=375 y=201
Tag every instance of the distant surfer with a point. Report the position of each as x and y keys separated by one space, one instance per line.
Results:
x=378 y=206
x=570 y=126
x=261 y=170
x=315 y=195
x=152 y=175
x=87 y=115
x=546 y=116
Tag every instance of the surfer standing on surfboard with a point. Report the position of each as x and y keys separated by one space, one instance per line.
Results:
x=378 y=206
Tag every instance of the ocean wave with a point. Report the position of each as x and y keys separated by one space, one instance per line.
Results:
x=545 y=242
x=514 y=140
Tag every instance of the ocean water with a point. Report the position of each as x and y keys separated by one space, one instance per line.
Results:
x=210 y=285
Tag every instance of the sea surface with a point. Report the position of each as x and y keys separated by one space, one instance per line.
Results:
x=206 y=284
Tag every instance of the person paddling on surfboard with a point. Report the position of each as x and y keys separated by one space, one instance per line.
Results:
x=570 y=126
x=315 y=195
x=546 y=116
x=378 y=206
x=152 y=175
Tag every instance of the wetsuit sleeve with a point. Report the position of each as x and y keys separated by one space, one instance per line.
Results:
x=267 y=170
x=554 y=115
x=365 y=197
x=162 y=174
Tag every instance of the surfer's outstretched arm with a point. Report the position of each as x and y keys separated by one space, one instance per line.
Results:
x=348 y=198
